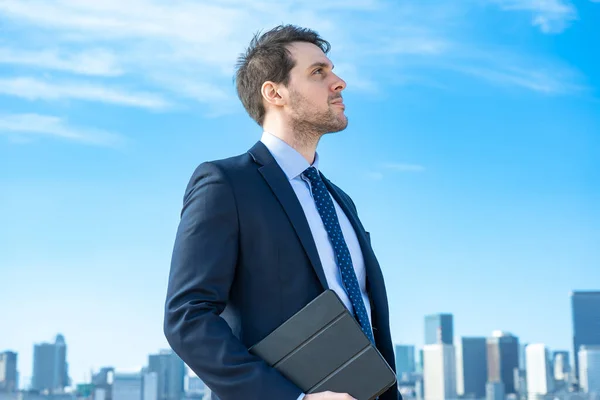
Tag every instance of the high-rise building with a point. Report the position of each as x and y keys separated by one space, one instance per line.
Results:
x=103 y=377
x=560 y=364
x=589 y=369
x=405 y=360
x=540 y=377
x=520 y=376
x=149 y=386
x=8 y=372
x=127 y=386
x=522 y=347
x=471 y=367
x=103 y=381
x=439 y=375
x=195 y=385
x=419 y=389
x=502 y=359
x=585 y=308
x=50 y=368
x=421 y=362
x=494 y=391
x=439 y=328
x=170 y=371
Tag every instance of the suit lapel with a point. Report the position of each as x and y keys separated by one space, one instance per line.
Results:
x=284 y=193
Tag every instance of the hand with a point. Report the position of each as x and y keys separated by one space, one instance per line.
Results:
x=328 y=396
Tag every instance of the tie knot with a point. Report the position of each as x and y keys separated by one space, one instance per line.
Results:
x=312 y=174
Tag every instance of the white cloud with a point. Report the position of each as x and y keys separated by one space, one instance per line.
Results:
x=89 y=62
x=202 y=92
x=185 y=50
x=22 y=128
x=417 y=45
x=355 y=79
x=543 y=76
x=538 y=81
x=34 y=89
x=357 y=5
x=552 y=16
x=196 y=44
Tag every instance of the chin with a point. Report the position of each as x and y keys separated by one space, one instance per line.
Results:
x=340 y=126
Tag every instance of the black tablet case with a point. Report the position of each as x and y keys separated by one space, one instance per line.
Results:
x=322 y=347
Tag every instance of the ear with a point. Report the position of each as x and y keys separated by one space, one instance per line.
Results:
x=272 y=93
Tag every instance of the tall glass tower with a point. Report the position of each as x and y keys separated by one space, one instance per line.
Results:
x=503 y=359
x=170 y=372
x=585 y=308
x=439 y=329
x=50 y=367
x=405 y=360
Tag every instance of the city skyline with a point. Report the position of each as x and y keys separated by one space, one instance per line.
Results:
x=471 y=154
x=452 y=371
x=457 y=342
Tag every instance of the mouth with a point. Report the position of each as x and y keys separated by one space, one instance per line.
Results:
x=338 y=103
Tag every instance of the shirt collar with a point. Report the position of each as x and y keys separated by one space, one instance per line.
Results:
x=290 y=161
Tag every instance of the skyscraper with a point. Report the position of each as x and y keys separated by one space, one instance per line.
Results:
x=170 y=371
x=103 y=381
x=439 y=328
x=503 y=358
x=522 y=347
x=471 y=367
x=560 y=364
x=421 y=362
x=127 y=386
x=589 y=364
x=520 y=377
x=195 y=385
x=439 y=375
x=149 y=386
x=494 y=391
x=8 y=372
x=50 y=368
x=405 y=360
x=585 y=308
x=540 y=379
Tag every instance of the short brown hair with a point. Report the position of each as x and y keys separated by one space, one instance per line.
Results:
x=267 y=58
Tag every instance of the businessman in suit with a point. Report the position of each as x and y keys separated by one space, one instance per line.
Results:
x=264 y=233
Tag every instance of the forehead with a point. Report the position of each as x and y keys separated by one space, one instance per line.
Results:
x=307 y=54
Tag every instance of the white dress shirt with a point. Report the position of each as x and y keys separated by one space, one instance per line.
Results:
x=293 y=164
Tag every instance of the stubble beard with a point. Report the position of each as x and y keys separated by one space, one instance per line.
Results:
x=309 y=124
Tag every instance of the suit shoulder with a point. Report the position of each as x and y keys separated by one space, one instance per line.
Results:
x=240 y=161
x=230 y=166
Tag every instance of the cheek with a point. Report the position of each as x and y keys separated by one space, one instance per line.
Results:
x=320 y=97
x=311 y=97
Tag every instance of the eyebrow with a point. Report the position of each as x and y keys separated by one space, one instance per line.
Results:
x=321 y=64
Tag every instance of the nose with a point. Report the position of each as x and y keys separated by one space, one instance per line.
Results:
x=339 y=84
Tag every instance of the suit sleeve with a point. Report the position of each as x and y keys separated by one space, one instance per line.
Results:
x=202 y=271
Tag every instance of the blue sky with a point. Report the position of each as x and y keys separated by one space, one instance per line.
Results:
x=472 y=153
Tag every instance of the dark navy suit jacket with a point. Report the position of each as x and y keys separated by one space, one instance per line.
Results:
x=244 y=261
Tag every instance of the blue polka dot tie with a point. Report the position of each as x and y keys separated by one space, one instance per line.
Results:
x=342 y=254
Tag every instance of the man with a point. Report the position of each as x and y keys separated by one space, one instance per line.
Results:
x=264 y=233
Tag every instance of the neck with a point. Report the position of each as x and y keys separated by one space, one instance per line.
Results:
x=303 y=140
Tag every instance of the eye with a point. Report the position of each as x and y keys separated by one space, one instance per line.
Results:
x=318 y=71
